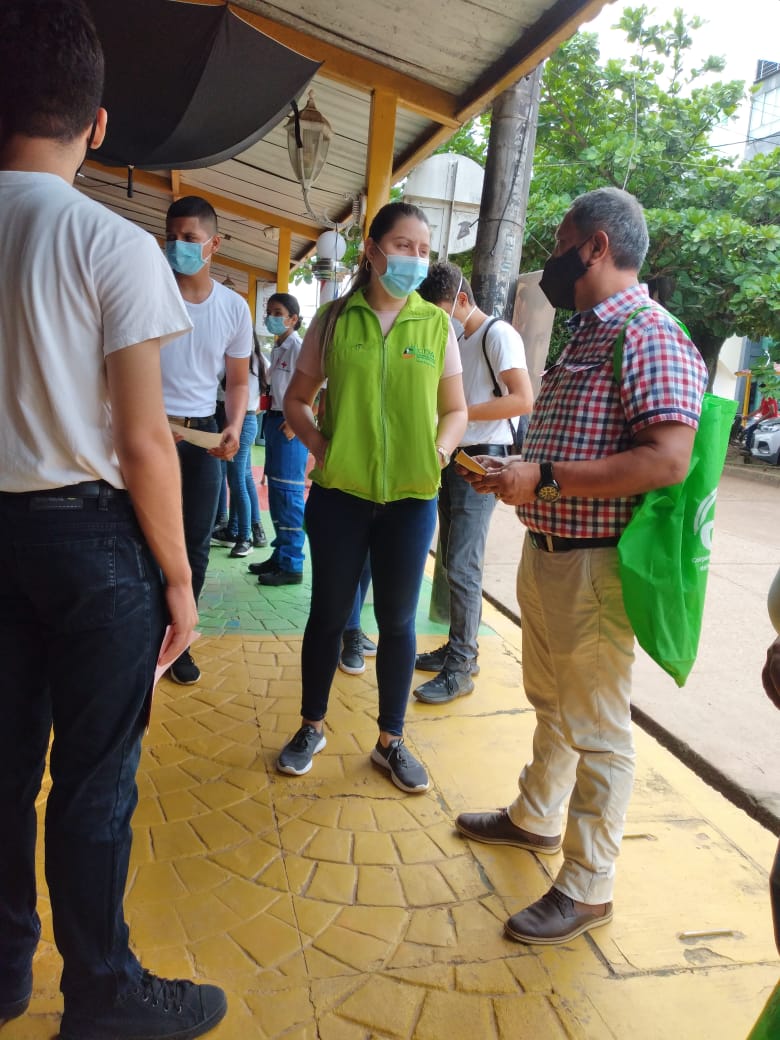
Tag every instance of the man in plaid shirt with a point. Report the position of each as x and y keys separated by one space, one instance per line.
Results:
x=593 y=446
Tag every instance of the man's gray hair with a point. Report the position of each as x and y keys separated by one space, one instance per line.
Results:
x=620 y=215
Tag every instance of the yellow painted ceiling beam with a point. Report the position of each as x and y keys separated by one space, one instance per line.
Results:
x=230 y=207
x=356 y=71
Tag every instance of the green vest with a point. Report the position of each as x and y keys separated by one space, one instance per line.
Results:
x=380 y=415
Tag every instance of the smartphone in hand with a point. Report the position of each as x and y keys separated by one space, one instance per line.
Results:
x=469 y=463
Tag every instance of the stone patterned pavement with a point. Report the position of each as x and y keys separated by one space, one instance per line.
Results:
x=333 y=906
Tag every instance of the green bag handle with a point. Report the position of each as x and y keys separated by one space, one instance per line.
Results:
x=617 y=350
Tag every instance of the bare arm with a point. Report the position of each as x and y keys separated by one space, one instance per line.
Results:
x=660 y=456
x=150 y=467
x=236 y=400
x=518 y=401
x=299 y=413
x=451 y=407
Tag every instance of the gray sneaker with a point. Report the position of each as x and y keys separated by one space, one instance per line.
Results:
x=447 y=686
x=351 y=658
x=296 y=755
x=405 y=771
x=432 y=661
x=436 y=660
x=369 y=646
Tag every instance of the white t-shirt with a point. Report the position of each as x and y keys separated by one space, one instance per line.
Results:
x=191 y=367
x=284 y=358
x=78 y=282
x=504 y=346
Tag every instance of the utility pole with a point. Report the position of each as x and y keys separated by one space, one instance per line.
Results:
x=502 y=213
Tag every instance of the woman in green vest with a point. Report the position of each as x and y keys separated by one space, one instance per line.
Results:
x=395 y=412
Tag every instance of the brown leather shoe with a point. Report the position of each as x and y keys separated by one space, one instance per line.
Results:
x=495 y=828
x=556 y=918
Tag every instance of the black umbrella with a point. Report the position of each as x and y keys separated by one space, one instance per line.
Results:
x=189 y=85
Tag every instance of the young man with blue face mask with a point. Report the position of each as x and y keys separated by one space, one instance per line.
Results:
x=221 y=338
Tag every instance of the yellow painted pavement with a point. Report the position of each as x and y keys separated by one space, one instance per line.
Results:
x=334 y=906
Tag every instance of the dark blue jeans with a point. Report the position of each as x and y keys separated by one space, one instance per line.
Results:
x=342 y=529
x=81 y=621
x=201 y=477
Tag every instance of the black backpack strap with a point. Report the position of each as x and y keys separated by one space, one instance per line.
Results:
x=496 y=388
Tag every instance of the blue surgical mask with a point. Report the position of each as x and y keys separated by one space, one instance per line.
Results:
x=275 y=324
x=185 y=257
x=403 y=275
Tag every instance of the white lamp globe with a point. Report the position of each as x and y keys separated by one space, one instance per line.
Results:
x=331 y=246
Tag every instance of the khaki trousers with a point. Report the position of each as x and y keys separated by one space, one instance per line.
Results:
x=578 y=648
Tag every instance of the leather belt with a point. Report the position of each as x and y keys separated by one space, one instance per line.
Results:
x=274 y=411
x=75 y=496
x=554 y=543
x=192 y=422
x=499 y=450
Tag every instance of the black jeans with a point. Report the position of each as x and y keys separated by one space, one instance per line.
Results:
x=81 y=620
x=342 y=529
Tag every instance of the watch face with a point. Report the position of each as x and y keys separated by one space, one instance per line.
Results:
x=549 y=493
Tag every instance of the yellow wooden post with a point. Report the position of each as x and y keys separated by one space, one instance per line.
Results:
x=379 y=160
x=251 y=296
x=283 y=260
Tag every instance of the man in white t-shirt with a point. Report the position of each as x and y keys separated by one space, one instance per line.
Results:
x=497 y=388
x=90 y=525
x=221 y=339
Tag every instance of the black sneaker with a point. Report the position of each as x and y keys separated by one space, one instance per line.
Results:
x=184 y=671
x=259 y=537
x=155 y=1010
x=243 y=547
x=221 y=536
x=435 y=660
x=351 y=657
x=369 y=646
x=296 y=755
x=263 y=568
x=447 y=686
x=405 y=771
x=278 y=577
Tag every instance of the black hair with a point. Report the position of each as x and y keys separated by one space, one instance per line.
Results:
x=384 y=221
x=194 y=206
x=51 y=69
x=290 y=304
x=443 y=283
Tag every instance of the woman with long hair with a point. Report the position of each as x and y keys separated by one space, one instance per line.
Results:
x=395 y=411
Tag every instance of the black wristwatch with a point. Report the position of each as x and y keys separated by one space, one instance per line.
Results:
x=548 y=489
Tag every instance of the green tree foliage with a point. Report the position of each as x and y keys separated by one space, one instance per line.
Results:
x=644 y=124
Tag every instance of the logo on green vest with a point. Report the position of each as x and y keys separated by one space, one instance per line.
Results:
x=420 y=354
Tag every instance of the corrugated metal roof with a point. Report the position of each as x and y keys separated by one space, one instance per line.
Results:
x=442 y=62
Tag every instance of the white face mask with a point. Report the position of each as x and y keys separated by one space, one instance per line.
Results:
x=467 y=318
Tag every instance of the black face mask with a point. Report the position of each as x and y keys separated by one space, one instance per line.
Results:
x=559 y=275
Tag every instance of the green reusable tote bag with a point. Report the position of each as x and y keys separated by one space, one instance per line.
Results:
x=664 y=552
